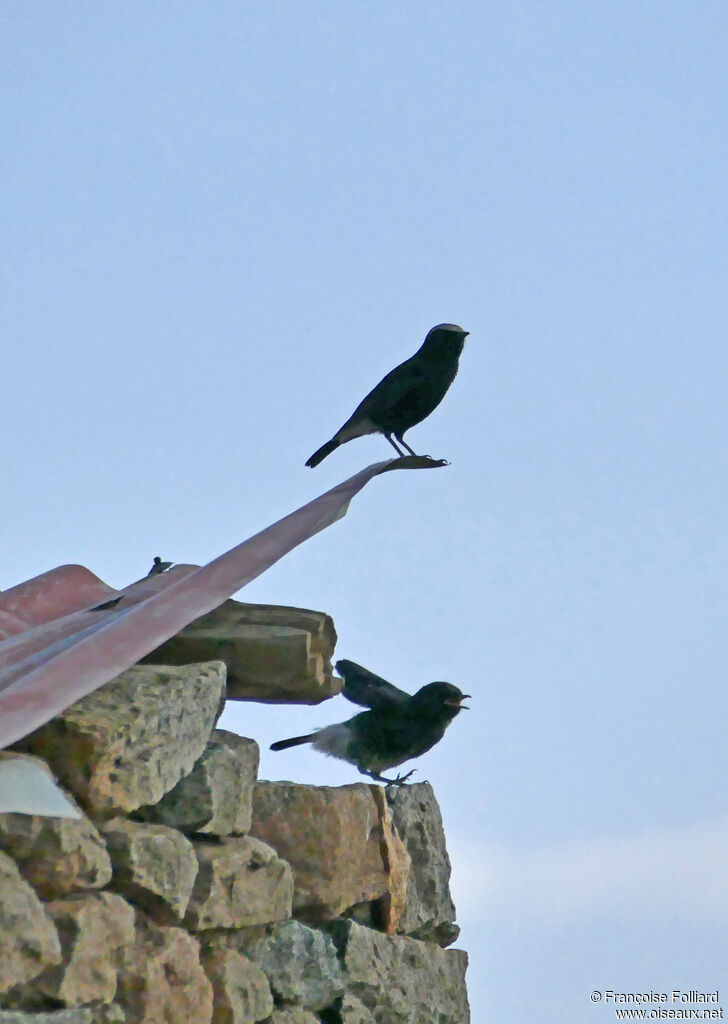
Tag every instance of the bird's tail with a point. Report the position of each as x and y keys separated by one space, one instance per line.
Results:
x=324 y=450
x=294 y=742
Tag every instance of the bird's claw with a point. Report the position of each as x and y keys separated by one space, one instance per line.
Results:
x=394 y=785
x=434 y=461
x=401 y=780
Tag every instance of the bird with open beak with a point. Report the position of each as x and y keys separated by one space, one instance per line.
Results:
x=397 y=727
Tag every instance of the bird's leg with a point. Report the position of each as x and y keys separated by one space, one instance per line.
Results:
x=399 y=451
x=403 y=442
x=373 y=775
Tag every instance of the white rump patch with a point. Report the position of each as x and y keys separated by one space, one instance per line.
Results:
x=358 y=429
x=333 y=740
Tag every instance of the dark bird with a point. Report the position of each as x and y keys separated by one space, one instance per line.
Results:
x=398 y=726
x=406 y=396
x=159 y=566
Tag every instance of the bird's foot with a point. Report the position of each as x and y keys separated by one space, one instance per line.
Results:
x=401 y=780
x=392 y=789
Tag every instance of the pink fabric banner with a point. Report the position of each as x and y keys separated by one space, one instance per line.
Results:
x=49 y=666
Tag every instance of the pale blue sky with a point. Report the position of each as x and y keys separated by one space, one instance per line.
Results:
x=222 y=223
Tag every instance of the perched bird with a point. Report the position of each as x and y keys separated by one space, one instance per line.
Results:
x=159 y=566
x=398 y=727
x=405 y=396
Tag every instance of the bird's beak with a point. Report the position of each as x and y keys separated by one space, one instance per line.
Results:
x=458 y=703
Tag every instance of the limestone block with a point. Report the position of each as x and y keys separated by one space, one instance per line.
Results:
x=402 y=980
x=57 y=856
x=155 y=866
x=429 y=911
x=28 y=938
x=241 y=991
x=240 y=882
x=339 y=842
x=108 y=1013
x=300 y=963
x=163 y=981
x=131 y=741
x=216 y=797
x=95 y=929
x=272 y=653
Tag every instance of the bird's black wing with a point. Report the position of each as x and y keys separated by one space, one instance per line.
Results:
x=369 y=691
x=398 y=387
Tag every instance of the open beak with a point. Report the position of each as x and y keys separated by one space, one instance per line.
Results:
x=458 y=703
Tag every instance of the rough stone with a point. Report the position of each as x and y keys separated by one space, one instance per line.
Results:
x=95 y=929
x=216 y=797
x=397 y=864
x=242 y=994
x=163 y=981
x=293 y=1015
x=353 y=1011
x=57 y=856
x=28 y=938
x=424 y=984
x=300 y=963
x=340 y=844
x=155 y=866
x=429 y=911
x=273 y=653
x=108 y=1013
x=240 y=882
x=131 y=741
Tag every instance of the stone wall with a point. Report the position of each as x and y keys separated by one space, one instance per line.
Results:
x=189 y=891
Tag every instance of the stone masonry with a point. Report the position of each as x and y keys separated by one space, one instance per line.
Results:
x=189 y=891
